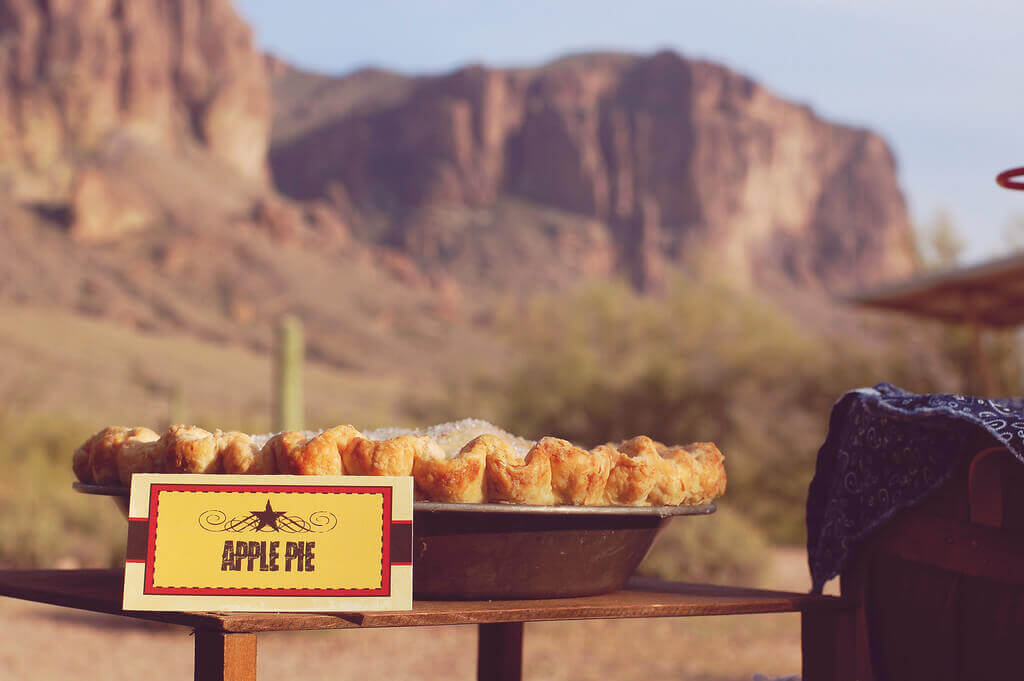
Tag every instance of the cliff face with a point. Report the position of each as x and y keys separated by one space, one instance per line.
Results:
x=135 y=183
x=392 y=212
x=645 y=161
x=162 y=74
x=116 y=115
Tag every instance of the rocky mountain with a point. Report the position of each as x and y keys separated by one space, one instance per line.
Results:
x=134 y=188
x=158 y=172
x=602 y=162
x=83 y=78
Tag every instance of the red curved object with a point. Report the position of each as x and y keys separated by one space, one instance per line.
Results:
x=1006 y=178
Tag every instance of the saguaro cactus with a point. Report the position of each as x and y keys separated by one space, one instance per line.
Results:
x=288 y=406
x=177 y=403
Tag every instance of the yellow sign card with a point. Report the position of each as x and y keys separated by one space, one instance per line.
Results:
x=272 y=543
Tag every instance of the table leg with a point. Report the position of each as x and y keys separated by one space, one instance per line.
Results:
x=828 y=645
x=499 y=651
x=225 y=657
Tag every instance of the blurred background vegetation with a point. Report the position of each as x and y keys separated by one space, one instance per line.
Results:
x=704 y=362
x=45 y=524
x=701 y=361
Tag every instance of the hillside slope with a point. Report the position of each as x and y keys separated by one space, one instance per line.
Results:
x=97 y=373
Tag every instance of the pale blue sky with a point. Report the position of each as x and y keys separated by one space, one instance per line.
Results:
x=939 y=80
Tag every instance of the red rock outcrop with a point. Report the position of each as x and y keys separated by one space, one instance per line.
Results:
x=101 y=209
x=167 y=72
x=680 y=160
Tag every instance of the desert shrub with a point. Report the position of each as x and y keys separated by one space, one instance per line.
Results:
x=1002 y=355
x=724 y=548
x=702 y=362
x=46 y=523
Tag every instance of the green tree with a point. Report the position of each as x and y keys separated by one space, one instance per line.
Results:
x=942 y=245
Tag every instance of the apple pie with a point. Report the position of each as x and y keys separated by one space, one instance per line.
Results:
x=467 y=461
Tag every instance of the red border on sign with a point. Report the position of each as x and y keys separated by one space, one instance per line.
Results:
x=150 y=588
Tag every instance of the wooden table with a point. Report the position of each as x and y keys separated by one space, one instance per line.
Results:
x=225 y=643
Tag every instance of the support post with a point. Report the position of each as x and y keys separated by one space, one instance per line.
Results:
x=225 y=657
x=982 y=370
x=500 y=652
x=827 y=639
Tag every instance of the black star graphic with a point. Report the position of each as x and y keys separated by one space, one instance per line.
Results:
x=267 y=517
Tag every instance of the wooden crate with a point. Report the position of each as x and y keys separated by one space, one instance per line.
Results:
x=941 y=586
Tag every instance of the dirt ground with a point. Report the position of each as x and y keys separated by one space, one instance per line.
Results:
x=39 y=642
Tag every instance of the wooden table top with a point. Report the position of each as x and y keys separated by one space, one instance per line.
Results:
x=100 y=591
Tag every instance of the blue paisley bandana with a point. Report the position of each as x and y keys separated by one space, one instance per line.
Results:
x=886 y=449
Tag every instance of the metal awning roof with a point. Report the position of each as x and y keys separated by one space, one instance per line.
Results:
x=988 y=294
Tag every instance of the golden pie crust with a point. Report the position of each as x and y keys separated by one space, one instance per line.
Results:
x=464 y=462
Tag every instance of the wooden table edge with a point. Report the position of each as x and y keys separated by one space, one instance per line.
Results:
x=626 y=604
